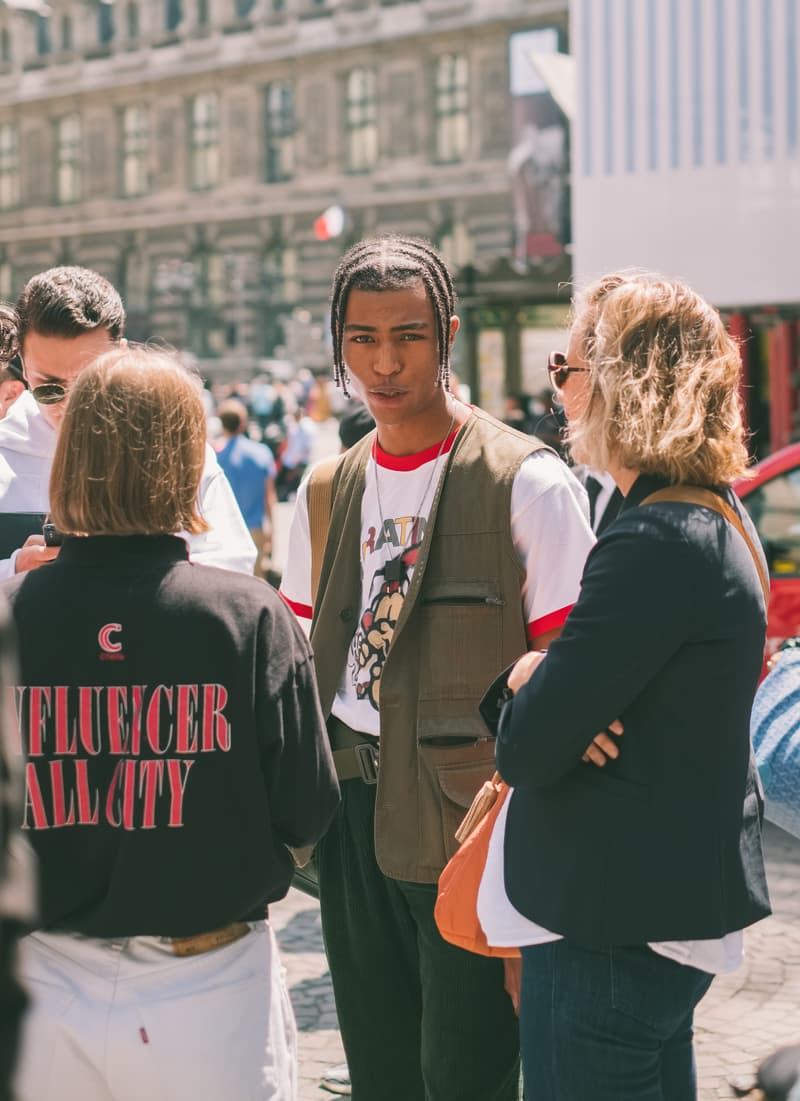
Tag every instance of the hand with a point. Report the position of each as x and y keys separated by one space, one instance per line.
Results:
x=524 y=669
x=603 y=746
x=512 y=980
x=33 y=553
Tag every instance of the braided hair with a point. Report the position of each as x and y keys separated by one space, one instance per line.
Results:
x=389 y=263
x=9 y=334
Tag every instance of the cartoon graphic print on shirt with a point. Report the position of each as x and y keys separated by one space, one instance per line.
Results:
x=551 y=538
x=370 y=646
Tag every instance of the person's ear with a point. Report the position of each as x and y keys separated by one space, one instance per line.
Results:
x=455 y=325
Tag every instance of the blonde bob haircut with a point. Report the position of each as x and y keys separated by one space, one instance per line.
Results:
x=131 y=448
x=663 y=382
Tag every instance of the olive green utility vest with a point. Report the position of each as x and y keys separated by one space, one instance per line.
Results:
x=461 y=624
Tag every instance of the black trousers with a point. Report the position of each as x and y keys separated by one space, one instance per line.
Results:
x=421 y=1020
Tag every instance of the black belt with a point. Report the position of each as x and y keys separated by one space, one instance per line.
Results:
x=355 y=755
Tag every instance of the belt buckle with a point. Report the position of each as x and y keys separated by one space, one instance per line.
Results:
x=367 y=757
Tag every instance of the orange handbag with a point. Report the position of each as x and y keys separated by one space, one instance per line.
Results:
x=456 y=910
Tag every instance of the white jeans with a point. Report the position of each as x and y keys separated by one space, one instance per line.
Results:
x=126 y=1020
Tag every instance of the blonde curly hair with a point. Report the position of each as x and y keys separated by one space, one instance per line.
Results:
x=664 y=377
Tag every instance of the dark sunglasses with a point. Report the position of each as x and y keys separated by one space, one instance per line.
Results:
x=49 y=393
x=559 y=370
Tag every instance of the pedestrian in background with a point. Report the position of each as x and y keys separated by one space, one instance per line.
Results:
x=356 y=422
x=628 y=886
x=454 y=542
x=250 y=469
x=301 y=431
x=176 y=749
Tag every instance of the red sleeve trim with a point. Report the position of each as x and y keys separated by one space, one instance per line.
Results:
x=302 y=611
x=549 y=622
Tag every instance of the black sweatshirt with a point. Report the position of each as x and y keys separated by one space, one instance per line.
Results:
x=174 y=740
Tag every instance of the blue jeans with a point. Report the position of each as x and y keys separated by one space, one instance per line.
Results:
x=610 y=1024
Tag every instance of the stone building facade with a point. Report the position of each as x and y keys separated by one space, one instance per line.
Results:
x=185 y=149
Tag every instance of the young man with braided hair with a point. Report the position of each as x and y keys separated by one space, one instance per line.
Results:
x=454 y=542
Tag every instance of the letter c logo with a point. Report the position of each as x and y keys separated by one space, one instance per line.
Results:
x=104 y=638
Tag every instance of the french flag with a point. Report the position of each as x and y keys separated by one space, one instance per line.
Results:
x=330 y=223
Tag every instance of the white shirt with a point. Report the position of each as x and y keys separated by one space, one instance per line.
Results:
x=550 y=531
x=27 y=446
x=604 y=494
x=505 y=926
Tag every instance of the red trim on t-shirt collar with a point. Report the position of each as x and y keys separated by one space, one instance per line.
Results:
x=415 y=461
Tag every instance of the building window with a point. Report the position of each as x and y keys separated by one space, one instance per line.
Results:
x=9 y=166
x=243 y=8
x=209 y=285
x=280 y=275
x=213 y=277
x=135 y=279
x=105 y=23
x=173 y=13
x=134 y=134
x=280 y=281
x=207 y=300
x=68 y=159
x=205 y=140
x=280 y=131
x=361 y=120
x=66 y=34
x=132 y=21
x=203 y=13
x=451 y=107
x=5 y=46
x=6 y=281
x=43 y=35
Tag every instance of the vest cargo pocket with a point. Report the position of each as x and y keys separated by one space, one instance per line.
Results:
x=451 y=779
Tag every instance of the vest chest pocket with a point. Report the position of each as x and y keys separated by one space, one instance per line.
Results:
x=461 y=637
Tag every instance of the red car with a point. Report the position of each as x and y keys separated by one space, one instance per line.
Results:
x=771 y=494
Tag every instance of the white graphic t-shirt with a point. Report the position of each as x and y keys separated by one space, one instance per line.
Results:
x=549 y=527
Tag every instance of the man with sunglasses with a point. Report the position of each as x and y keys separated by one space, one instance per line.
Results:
x=65 y=318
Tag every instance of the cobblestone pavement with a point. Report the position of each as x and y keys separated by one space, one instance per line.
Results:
x=744 y=1017
x=296 y=921
x=754 y=1010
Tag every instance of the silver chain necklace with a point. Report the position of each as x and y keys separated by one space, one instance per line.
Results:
x=394 y=568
